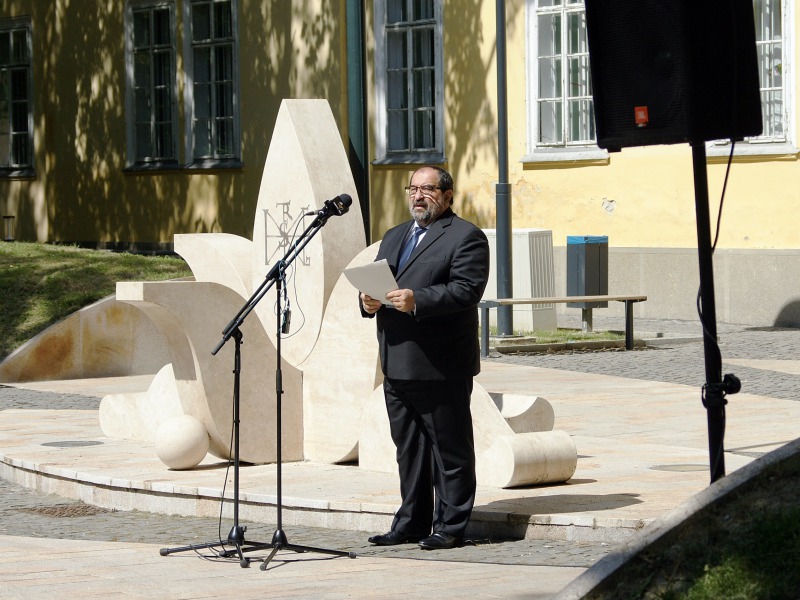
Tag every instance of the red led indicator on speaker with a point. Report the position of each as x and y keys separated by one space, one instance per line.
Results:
x=642 y=118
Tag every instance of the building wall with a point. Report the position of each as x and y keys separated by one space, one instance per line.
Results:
x=750 y=285
x=83 y=193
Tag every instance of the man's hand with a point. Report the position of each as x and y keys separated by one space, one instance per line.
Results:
x=369 y=303
x=402 y=300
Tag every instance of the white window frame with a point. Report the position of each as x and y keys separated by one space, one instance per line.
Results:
x=214 y=159
x=169 y=158
x=435 y=154
x=12 y=167
x=565 y=150
x=766 y=144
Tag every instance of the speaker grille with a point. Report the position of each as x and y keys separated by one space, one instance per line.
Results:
x=690 y=67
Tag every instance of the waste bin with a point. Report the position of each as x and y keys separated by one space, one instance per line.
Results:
x=587 y=268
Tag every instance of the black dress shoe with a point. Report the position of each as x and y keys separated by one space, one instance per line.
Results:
x=393 y=538
x=440 y=541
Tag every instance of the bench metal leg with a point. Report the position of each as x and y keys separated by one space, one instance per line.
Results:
x=484 y=332
x=586 y=318
x=628 y=325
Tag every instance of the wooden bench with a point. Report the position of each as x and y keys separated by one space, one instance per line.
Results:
x=485 y=305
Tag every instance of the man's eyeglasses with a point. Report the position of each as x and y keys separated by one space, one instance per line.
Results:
x=427 y=190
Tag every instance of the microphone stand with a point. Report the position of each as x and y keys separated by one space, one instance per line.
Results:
x=236 y=537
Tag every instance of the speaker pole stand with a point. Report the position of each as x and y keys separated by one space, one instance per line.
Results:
x=715 y=387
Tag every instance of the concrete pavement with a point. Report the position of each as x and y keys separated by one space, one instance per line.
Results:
x=636 y=418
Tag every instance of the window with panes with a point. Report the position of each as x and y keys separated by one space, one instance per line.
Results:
x=16 y=104
x=214 y=121
x=154 y=106
x=564 y=110
x=409 y=81
x=772 y=68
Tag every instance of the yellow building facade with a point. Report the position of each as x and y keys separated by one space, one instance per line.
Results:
x=149 y=118
x=90 y=64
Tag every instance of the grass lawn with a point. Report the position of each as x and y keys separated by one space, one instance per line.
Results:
x=42 y=283
x=563 y=335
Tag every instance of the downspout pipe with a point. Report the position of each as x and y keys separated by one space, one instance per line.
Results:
x=357 y=105
x=505 y=321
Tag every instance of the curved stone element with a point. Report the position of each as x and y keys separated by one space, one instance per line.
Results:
x=528 y=459
x=377 y=452
x=137 y=416
x=104 y=339
x=340 y=374
x=205 y=382
x=504 y=458
x=525 y=414
x=487 y=422
x=220 y=258
x=305 y=166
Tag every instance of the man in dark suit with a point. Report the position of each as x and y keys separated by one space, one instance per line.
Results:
x=428 y=338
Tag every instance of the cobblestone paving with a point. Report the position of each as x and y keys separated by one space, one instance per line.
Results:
x=11 y=397
x=683 y=362
x=27 y=513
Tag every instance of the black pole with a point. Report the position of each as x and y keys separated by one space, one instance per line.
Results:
x=236 y=534
x=357 y=106
x=279 y=537
x=713 y=391
x=505 y=287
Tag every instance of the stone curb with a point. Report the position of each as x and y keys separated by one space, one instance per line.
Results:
x=519 y=346
x=165 y=498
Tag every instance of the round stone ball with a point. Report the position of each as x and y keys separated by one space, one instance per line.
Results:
x=181 y=442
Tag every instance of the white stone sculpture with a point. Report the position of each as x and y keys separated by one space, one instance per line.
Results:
x=331 y=408
x=306 y=165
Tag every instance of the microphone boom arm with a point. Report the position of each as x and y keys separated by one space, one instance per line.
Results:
x=273 y=274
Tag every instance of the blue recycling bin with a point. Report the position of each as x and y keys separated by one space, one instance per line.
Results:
x=587 y=268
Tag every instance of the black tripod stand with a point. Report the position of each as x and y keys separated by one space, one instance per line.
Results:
x=716 y=386
x=276 y=276
x=236 y=536
x=279 y=540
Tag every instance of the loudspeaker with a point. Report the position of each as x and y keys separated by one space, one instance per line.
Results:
x=673 y=71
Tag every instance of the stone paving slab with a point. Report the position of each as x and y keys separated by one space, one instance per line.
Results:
x=40 y=568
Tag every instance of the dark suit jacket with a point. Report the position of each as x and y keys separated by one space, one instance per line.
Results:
x=447 y=272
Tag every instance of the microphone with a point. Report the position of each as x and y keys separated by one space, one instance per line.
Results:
x=334 y=207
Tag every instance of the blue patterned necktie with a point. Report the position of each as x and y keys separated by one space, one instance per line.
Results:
x=410 y=245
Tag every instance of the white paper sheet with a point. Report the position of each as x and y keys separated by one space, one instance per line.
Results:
x=374 y=279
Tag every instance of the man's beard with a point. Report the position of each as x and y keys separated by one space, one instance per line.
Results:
x=424 y=217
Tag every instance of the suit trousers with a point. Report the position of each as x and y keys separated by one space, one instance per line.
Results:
x=431 y=426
